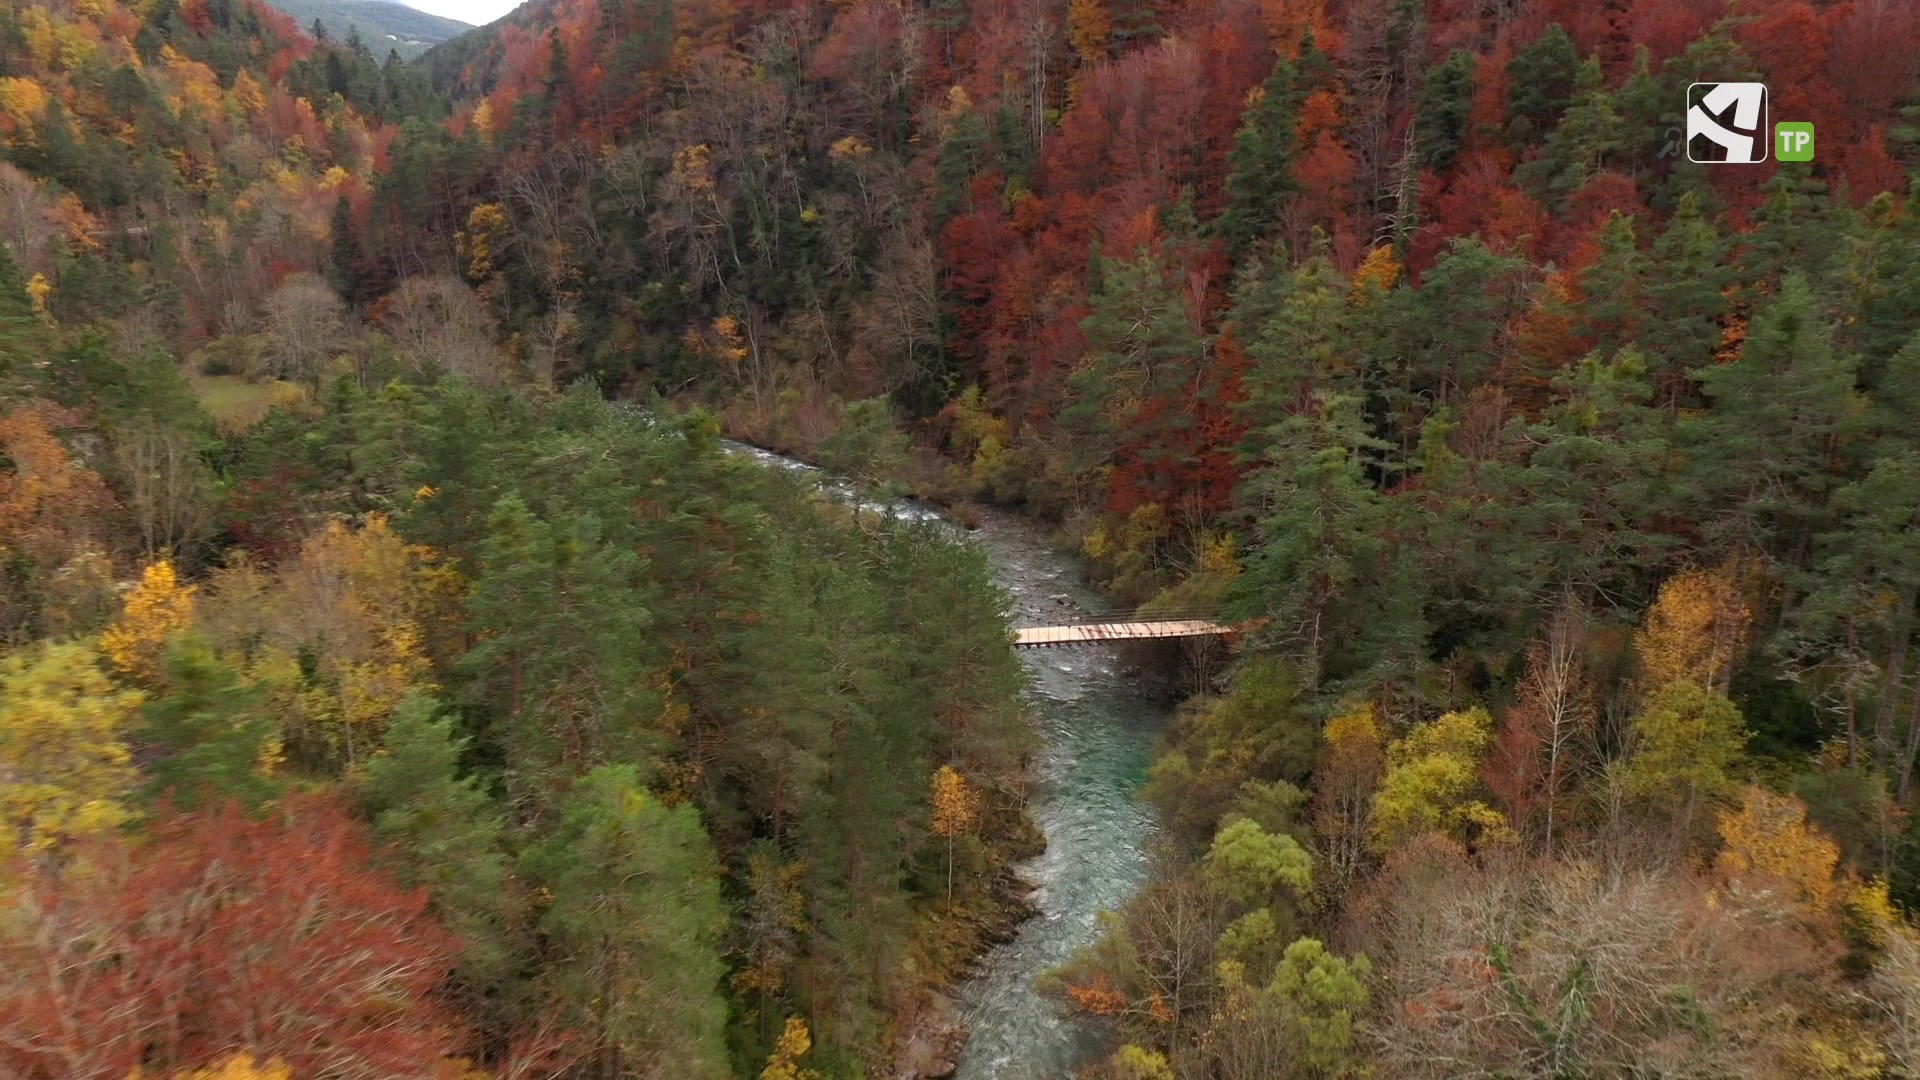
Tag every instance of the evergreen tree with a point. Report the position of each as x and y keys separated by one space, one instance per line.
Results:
x=1763 y=452
x=1446 y=106
x=1686 y=282
x=346 y=254
x=1540 y=80
x=1317 y=519
x=218 y=736
x=564 y=647
x=1260 y=175
x=447 y=835
x=1142 y=348
x=635 y=921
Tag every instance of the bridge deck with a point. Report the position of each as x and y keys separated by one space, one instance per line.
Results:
x=1032 y=637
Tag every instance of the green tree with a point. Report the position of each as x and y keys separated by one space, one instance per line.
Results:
x=1319 y=548
x=1445 y=110
x=1688 y=746
x=1687 y=278
x=1260 y=176
x=1302 y=1023
x=1250 y=864
x=219 y=738
x=563 y=620
x=634 y=922
x=867 y=448
x=1540 y=80
x=1589 y=132
x=346 y=254
x=1764 y=451
x=447 y=835
x=1142 y=349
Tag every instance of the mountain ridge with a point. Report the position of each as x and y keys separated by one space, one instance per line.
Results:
x=383 y=24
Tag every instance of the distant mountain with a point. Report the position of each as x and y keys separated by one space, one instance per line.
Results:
x=384 y=24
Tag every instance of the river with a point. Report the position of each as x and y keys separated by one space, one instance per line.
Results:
x=1097 y=725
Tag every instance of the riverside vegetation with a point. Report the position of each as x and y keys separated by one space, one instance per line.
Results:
x=383 y=693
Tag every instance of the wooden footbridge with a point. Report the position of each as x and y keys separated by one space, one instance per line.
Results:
x=1084 y=628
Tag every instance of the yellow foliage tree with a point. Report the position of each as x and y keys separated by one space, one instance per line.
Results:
x=1432 y=783
x=1344 y=785
x=61 y=755
x=75 y=46
x=784 y=1062
x=247 y=93
x=1769 y=836
x=42 y=43
x=81 y=228
x=1695 y=629
x=482 y=120
x=22 y=98
x=956 y=807
x=480 y=242
x=849 y=148
x=241 y=1066
x=38 y=289
x=360 y=602
x=157 y=608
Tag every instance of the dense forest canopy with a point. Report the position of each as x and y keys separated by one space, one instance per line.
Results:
x=399 y=677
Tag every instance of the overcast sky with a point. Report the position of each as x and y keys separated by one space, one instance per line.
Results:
x=477 y=12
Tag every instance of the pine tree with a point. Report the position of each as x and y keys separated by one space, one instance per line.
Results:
x=219 y=738
x=1260 y=176
x=1318 y=519
x=636 y=918
x=1446 y=106
x=1540 y=78
x=1763 y=452
x=346 y=254
x=1687 y=279
x=447 y=834
x=563 y=618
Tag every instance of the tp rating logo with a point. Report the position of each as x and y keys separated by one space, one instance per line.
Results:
x=1793 y=141
x=1727 y=123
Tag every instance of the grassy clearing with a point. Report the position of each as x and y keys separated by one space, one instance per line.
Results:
x=237 y=403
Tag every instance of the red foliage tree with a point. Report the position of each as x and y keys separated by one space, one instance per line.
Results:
x=222 y=933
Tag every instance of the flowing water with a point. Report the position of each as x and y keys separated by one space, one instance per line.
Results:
x=1097 y=726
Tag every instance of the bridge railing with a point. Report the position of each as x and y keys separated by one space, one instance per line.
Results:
x=1066 y=615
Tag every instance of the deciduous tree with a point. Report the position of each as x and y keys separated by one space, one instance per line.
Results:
x=224 y=927
x=1432 y=782
x=956 y=809
x=62 y=749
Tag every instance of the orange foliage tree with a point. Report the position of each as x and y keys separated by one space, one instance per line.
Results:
x=223 y=930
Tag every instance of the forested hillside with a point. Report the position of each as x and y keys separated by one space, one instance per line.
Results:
x=398 y=677
x=384 y=24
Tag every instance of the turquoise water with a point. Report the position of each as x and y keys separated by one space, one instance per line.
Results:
x=1098 y=726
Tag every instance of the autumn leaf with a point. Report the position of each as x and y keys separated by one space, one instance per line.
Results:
x=157 y=608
